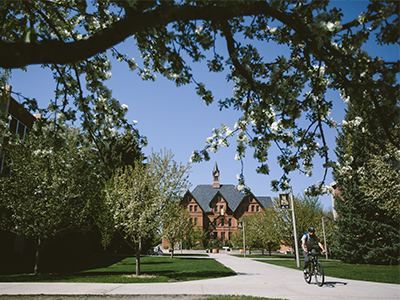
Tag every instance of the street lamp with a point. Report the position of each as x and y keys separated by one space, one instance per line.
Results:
x=323 y=229
x=241 y=226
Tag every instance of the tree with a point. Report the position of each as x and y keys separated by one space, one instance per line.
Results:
x=261 y=232
x=366 y=231
x=252 y=236
x=267 y=230
x=308 y=212
x=174 y=223
x=380 y=181
x=134 y=205
x=139 y=197
x=282 y=99
x=53 y=186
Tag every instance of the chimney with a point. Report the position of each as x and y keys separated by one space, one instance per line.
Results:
x=215 y=174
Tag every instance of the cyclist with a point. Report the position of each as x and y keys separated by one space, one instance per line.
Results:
x=308 y=241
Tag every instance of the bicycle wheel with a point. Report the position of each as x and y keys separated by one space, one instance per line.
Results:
x=309 y=274
x=319 y=274
x=149 y=252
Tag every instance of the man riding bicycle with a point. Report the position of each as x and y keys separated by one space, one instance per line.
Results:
x=308 y=242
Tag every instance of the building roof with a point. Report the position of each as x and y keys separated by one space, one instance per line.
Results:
x=204 y=193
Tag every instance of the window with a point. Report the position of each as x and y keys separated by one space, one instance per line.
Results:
x=215 y=222
x=195 y=221
x=221 y=207
x=223 y=236
x=191 y=207
x=229 y=235
x=195 y=208
x=230 y=222
x=252 y=208
x=223 y=222
x=258 y=208
x=215 y=235
x=216 y=208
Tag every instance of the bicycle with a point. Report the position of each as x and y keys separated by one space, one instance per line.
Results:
x=155 y=251
x=315 y=268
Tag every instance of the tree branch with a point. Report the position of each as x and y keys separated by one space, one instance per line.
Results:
x=20 y=54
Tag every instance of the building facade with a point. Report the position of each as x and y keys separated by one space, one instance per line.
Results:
x=216 y=208
x=20 y=121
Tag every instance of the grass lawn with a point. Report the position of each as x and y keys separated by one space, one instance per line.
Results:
x=122 y=270
x=377 y=273
x=132 y=297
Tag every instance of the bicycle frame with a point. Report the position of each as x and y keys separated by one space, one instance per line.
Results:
x=315 y=269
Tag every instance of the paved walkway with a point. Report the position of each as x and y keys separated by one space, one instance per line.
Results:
x=254 y=278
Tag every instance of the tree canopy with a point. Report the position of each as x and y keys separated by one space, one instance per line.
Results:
x=282 y=99
x=53 y=187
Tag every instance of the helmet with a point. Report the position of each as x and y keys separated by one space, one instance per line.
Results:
x=311 y=229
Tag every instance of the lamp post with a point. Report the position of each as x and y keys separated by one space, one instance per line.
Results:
x=283 y=198
x=323 y=229
x=244 y=237
x=294 y=230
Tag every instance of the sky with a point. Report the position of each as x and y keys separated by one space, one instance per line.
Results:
x=176 y=119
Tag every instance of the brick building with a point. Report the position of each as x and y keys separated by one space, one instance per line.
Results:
x=20 y=121
x=216 y=208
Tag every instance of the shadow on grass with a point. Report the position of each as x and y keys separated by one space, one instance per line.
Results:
x=65 y=265
x=108 y=268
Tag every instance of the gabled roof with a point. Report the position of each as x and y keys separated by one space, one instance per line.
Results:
x=265 y=201
x=204 y=193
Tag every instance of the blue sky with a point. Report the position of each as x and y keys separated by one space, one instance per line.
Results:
x=176 y=119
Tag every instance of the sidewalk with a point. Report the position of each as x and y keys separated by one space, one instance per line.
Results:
x=254 y=278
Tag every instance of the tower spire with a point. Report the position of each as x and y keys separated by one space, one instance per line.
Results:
x=215 y=174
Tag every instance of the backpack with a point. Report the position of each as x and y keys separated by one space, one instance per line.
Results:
x=312 y=242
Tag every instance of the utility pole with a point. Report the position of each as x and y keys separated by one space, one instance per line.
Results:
x=284 y=202
x=294 y=230
x=244 y=241
x=241 y=227
x=323 y=229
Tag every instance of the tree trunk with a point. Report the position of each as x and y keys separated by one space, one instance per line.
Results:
x=137 y=259
x=37 y=255
x=172 y=252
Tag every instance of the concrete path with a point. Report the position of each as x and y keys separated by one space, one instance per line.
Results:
x=254 y=278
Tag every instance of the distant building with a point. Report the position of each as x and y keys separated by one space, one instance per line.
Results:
x=335 y=192
x=20 y=120
x=216 y=208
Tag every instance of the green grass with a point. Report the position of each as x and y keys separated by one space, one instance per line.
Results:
x=236 y=297
x=130 y=297
x=376 y=273
x=120 y=270
x=283 y=256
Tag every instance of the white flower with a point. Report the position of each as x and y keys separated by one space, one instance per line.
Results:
x=240 y=187
x=124 y=107
x=274 y=127
x=134 y=122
